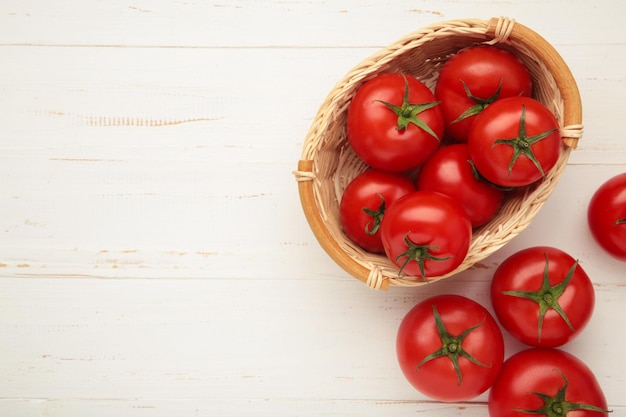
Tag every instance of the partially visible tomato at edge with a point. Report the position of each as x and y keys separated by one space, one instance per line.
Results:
x=530 y=383
x=364 y=203
x=606 y=216
x=394 y=140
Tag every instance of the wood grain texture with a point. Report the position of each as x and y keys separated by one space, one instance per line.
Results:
x=154 y=258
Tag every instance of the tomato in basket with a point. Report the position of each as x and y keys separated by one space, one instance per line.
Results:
x=364 y=203
x=474 y=78
x=606 y=216
x=450 y=171
x=542 y=296
x=426 y=234
x=515 y=141
x=546 y=382
x=450 y=348
x=394 y=122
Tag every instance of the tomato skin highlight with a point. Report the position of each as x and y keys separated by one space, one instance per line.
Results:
x=604 y=212
x=431 y=219
x=481 y=68
x=542 y=370
x=503 y=120
x=372 y=128
x=449 y=171
x=418 y=337
x=524 y=271
x=365 y=192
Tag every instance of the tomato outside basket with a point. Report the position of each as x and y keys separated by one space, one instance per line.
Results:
x=328 y=163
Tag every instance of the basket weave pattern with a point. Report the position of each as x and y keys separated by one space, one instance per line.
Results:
x=328 y=163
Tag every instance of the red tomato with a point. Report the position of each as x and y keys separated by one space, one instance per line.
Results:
x=394 y=122
x=450 y=348
x=542 y=296
x=426 y=234
x=450 y=171
x=515 y=141
x=546 y=382
x=473 y=79
x=364 y=203
x=606 y=216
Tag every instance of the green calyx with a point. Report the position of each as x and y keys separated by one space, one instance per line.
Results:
x=619 y=221
x=558 y=406
x=419 y=254
x=452 y=346
x=377 y=216
x=480 y=104
x=481 y=178
x=548 y=296
x=522 y=144
x=408 y=113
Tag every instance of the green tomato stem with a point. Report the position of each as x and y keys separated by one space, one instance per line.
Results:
x=522 y=144
x=377 y=216
x=452 y=346
x=558 y=406
x=548 y=296
x=407 y=112
x=419 y=254
x=480 y=103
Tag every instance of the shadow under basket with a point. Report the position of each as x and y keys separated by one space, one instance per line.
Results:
x=328 y=163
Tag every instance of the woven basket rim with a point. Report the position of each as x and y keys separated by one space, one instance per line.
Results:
x=502 y=31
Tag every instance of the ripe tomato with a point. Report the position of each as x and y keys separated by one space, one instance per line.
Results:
x=606 y=216
x=394 y=122
x=450 y=171
x=474 y=78
x=426 y=234
x=515 y=141
x=450 y=348
x=542 y=296
x=547 y=382
x=364 y=203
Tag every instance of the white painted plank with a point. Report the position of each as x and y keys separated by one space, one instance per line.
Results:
x=49 y=89
x=236 y=23
x=225 y=408
x=253 y=407
x=125 y=90
x=235 y=339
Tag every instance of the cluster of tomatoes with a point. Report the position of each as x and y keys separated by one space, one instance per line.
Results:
x=451 y=348
x=441 y=164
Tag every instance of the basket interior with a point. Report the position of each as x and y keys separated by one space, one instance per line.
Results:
x=421 y=55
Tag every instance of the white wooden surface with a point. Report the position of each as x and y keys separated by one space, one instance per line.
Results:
x=154 y=258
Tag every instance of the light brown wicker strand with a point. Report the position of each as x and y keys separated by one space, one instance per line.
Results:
x=503 y=30
x=572 y=131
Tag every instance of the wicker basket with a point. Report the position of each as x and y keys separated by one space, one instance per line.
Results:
x=328 y=163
